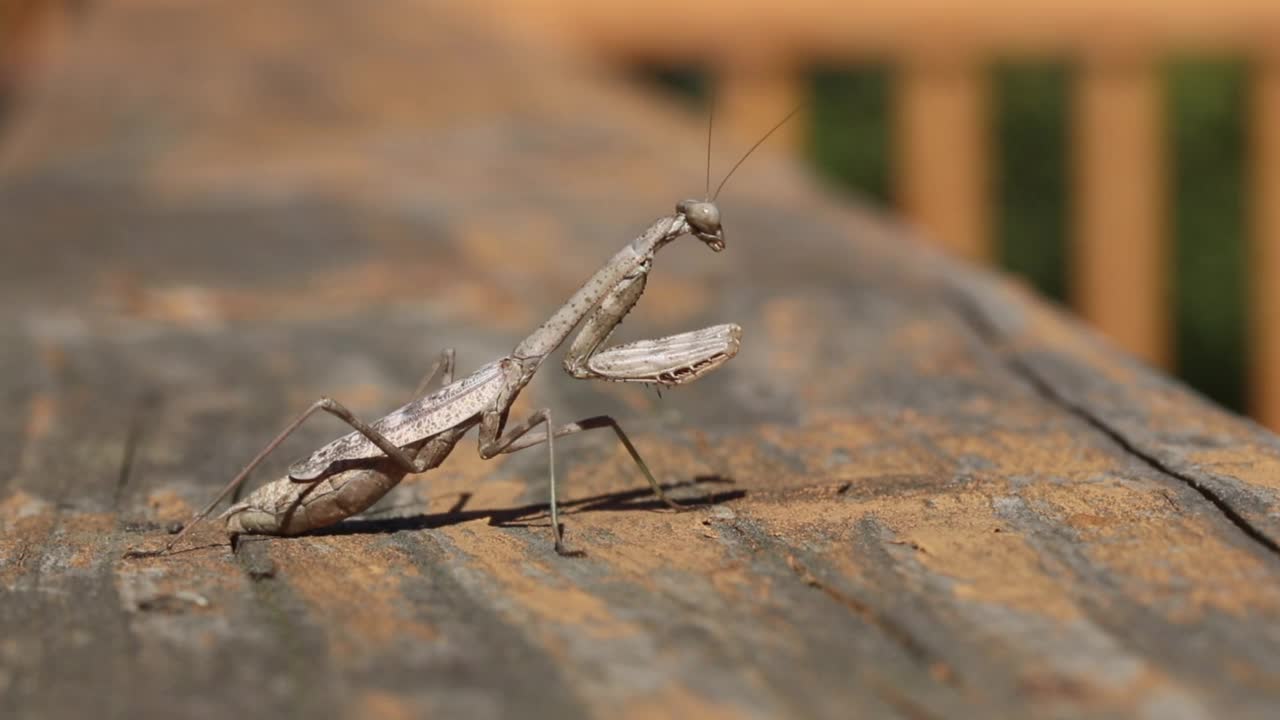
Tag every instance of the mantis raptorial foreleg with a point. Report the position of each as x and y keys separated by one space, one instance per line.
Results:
x=601 y=323
x=670 y=360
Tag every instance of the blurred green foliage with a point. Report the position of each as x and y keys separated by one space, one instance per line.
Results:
x=1207 y=108
x=1031 y=176
x=850 y=141
x=851 y=145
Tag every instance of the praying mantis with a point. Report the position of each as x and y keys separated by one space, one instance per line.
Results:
x=351 y=473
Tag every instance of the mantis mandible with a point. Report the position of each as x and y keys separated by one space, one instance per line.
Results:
x=351 y=473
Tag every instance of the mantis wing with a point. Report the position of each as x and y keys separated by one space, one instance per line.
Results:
x=414 y=421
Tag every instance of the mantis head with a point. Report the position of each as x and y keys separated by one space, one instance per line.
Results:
x=703 y=218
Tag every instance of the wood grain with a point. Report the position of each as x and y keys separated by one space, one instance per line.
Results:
x=926 y=493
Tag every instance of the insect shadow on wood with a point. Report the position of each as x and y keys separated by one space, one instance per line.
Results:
x=621 y=501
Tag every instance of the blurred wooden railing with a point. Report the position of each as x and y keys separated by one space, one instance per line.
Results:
x=18 y=20
x=28 y=30
x=759 y=49
x=1120 y=257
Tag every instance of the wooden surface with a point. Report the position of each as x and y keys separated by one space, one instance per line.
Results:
x=930 y=495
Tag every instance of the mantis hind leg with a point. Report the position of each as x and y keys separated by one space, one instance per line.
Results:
x=442 y=370
x=329 y=405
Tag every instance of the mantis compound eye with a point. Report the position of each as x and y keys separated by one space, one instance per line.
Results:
x=704 y=221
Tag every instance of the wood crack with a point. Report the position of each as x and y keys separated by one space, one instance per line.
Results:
x=899 y=635
x=976 y=319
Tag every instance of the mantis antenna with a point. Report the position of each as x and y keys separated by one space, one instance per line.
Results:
x=746 y=155
x=702 y=216
x=711 y=113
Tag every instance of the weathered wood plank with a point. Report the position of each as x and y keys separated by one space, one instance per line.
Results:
x=927 y=494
